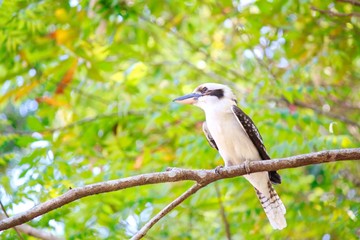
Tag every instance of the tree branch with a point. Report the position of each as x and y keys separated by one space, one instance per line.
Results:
x=5 y=216
x=202 y=177
x=27 y=229
x=353 y=2
x=222 y=212
x=335 y=14
x=142 y=232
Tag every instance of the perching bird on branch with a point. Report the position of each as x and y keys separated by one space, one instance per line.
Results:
x=229 y=130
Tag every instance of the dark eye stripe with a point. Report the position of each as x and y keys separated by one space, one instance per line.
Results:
x=219 y=93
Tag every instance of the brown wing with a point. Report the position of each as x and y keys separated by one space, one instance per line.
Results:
x=208 y=136
x=248 y=125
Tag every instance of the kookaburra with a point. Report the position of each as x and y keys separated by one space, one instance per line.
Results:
x=229 y=130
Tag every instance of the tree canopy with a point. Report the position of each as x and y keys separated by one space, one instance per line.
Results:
x=86 y=91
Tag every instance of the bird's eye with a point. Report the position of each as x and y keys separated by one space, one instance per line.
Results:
x=204 y=89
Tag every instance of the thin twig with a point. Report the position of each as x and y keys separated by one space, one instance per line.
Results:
x=142 y=232
x=222 y=212
x=202 y=177
x=260 y=61
x=353 y=2
x=336 y=14
x=328 y=114
x=90 y=96
x=212 y=75
x=77 y=123
x=195 y=48
x=343 y=104
x=16 y=230
x=317 y=110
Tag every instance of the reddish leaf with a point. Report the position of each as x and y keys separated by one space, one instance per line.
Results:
x=51 y=101
x=68 y=77
x=292 y=108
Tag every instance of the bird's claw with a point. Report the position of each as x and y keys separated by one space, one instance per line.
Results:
x=217 y=169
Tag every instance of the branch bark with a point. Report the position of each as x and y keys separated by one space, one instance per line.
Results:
x=202 y=177
x=140 y=234
x=5 y=216
x=31 y=231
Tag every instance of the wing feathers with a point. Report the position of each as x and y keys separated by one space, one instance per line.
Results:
x=248 y=125
x=208 y=136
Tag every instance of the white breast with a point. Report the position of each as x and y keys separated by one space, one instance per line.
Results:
x=233 y=143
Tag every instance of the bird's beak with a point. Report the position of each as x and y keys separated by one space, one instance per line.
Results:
x=188 y=99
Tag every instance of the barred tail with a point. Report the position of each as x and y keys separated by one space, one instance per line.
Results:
x=273 y=207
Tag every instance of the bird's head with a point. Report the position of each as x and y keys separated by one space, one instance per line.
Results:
x=209 y=95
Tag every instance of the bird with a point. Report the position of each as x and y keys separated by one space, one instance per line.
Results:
x=233 y=133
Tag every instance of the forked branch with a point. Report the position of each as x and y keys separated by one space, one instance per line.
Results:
x=201 y=177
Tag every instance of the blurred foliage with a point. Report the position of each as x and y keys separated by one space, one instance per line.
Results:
x=85 y=96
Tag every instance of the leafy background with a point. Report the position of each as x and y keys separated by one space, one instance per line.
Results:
x=85 y=96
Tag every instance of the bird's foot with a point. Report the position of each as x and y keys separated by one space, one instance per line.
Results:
x=247 y=166
x=217 y=169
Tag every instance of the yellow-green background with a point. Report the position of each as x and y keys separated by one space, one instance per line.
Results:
x=86 y=96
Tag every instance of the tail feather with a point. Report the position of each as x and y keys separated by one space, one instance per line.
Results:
x=273 y=207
